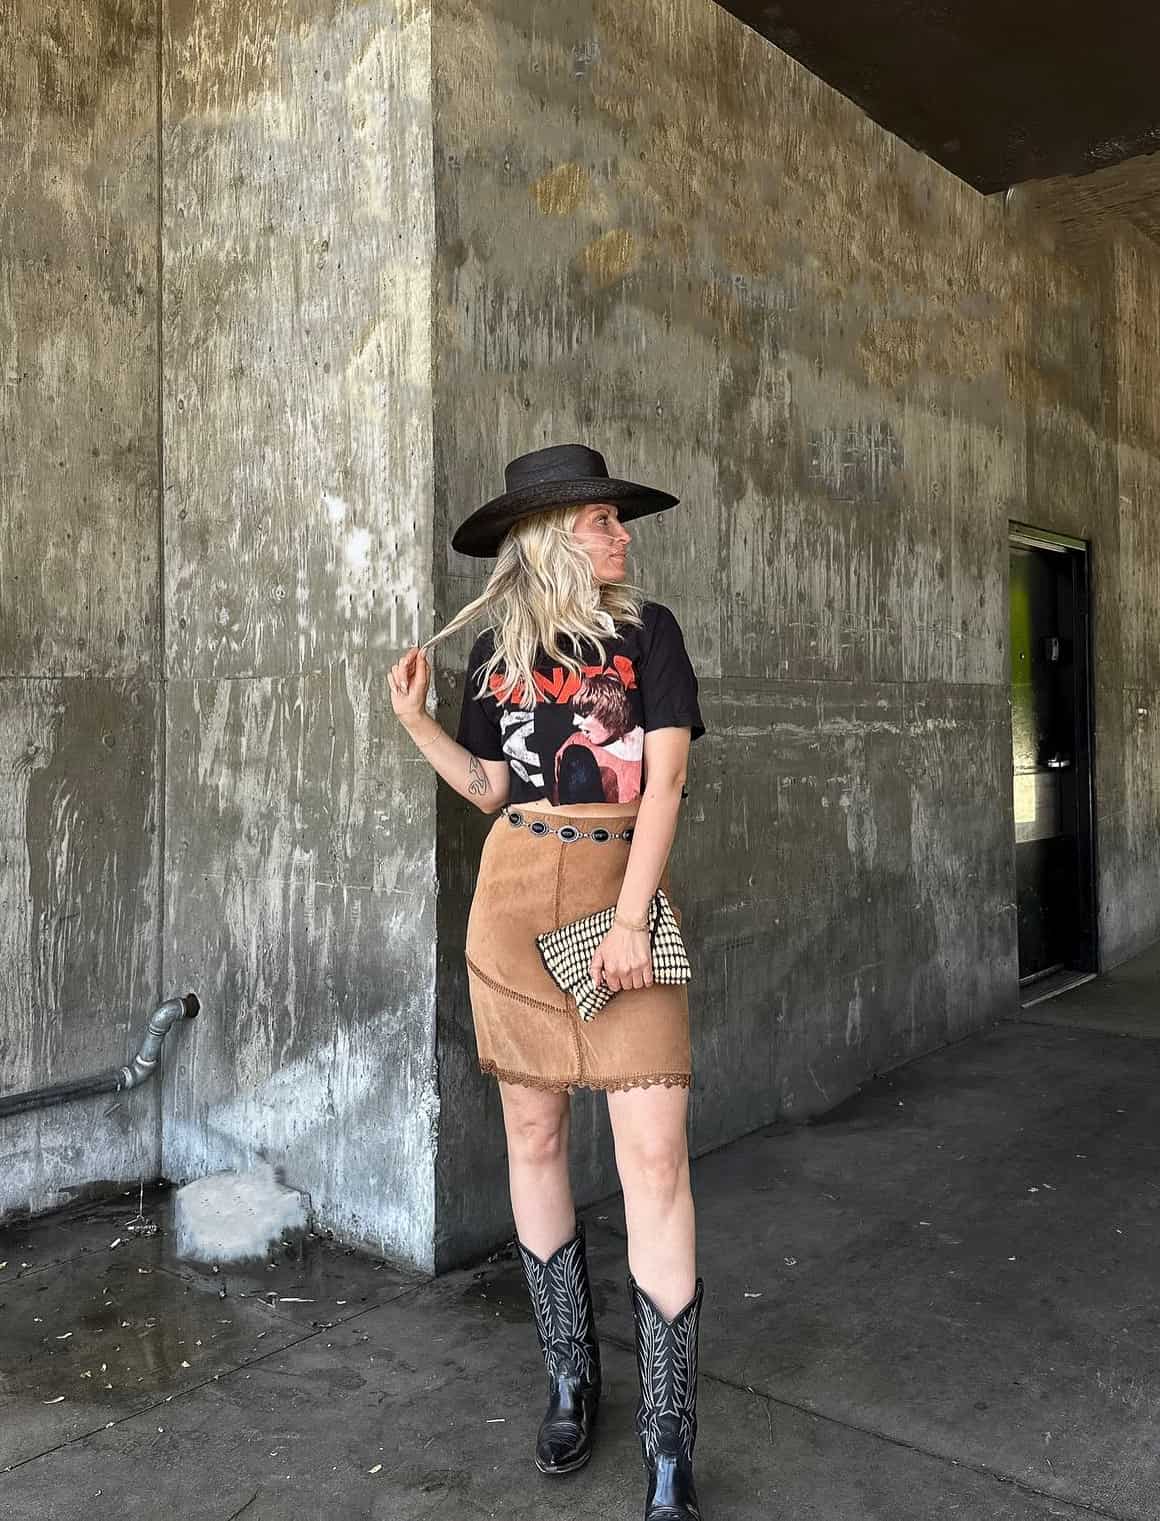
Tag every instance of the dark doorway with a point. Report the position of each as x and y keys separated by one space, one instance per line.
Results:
x=1051 y=753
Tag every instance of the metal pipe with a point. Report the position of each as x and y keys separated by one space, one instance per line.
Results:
x=142 y=1067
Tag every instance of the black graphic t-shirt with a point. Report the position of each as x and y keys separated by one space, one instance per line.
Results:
x=583 y=741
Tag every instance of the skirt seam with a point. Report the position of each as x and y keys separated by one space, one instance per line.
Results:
x=574 y=1023
x=559 y=888
x=525 y=998
x=578 y=1046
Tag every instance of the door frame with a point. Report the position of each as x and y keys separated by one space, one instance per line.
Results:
x=1079 y=552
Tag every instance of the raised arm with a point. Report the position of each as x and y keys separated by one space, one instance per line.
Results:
x=482 y=782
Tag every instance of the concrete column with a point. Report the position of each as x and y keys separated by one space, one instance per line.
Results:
x=297 y=241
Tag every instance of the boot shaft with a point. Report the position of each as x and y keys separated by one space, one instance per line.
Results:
x=666 y=1355
x=562 y=1303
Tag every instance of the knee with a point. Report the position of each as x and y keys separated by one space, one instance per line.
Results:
x=536 y=1142
x=657 y=1171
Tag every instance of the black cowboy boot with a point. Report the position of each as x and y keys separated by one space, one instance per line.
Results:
x=562 y=1301
x=666 y=1418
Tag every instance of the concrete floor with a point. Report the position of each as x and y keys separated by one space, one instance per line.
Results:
x=938 y=1302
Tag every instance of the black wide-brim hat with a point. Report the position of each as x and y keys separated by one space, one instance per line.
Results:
x=558 y=476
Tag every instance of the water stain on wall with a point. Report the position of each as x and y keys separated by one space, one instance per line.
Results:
x=561 y=191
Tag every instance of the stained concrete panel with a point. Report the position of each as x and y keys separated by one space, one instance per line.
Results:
x=297 y=247
x=297 y=216
x=847 y=943
x=78 y=321
x=305 y=920
x=1130 y=817
x=78 y=881
x=1137 y=363
x=1090 y=209
x=78 y=587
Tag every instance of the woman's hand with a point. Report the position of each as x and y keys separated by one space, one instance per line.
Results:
x=408 y=680
x=623 y=959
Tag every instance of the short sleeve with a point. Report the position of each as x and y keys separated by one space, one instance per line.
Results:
x=668 y=683
x=479 y=730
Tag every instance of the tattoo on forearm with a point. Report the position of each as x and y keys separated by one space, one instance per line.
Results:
x=478 y=784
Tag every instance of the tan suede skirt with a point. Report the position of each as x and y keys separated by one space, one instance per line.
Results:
x=526 y=1029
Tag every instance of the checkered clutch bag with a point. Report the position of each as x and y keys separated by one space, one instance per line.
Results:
x=567 y=953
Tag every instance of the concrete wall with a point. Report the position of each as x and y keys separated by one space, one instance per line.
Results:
x=297 y=469
x=79 y=923
x=294 y=550
x=1091 y=377
x=1130 y=879
x=397 y=246
x=658 y=234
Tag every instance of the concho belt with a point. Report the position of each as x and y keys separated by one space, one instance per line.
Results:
x=566 y=832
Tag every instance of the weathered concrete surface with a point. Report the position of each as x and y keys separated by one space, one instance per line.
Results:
x=942 y=1304
x=1084 y=207
x=78 y=586
x=1131 y=878
x=660 y=235
x=1091 y=371
x=297 y=466
x=400 y=245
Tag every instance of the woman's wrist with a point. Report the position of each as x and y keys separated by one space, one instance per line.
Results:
x=423 y=729
x=626 y=921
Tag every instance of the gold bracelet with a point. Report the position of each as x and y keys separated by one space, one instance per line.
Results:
x=616 y=919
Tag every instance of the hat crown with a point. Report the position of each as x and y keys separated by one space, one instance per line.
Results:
x=558 y=462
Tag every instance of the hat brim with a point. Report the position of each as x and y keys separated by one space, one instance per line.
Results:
x=482 y=533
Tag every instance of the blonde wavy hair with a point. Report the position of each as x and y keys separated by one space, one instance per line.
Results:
x=541 y=593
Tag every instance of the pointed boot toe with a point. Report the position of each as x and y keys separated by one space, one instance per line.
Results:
x=563 y=1446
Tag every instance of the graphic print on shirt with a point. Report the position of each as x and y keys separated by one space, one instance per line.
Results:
x=583 y=738
x=517 y=729
x=583 y=742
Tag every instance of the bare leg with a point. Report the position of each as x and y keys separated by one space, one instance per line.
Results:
x=536 y=1123
x=652 y=1158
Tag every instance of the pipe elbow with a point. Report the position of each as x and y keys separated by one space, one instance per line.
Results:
x=161 y=1021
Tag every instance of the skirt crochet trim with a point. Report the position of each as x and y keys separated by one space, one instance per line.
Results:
x=598 y=1084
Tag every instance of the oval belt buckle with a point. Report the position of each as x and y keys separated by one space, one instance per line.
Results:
x=568 y=833
x=514 y=817
x=601 y=835
x=539 y=827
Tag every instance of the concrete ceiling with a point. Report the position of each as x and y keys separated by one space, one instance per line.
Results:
x=998 y=91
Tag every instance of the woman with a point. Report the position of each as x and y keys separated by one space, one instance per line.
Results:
x=565 y=620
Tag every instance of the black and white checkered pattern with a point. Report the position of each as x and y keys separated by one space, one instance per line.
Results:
x=567 y=953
